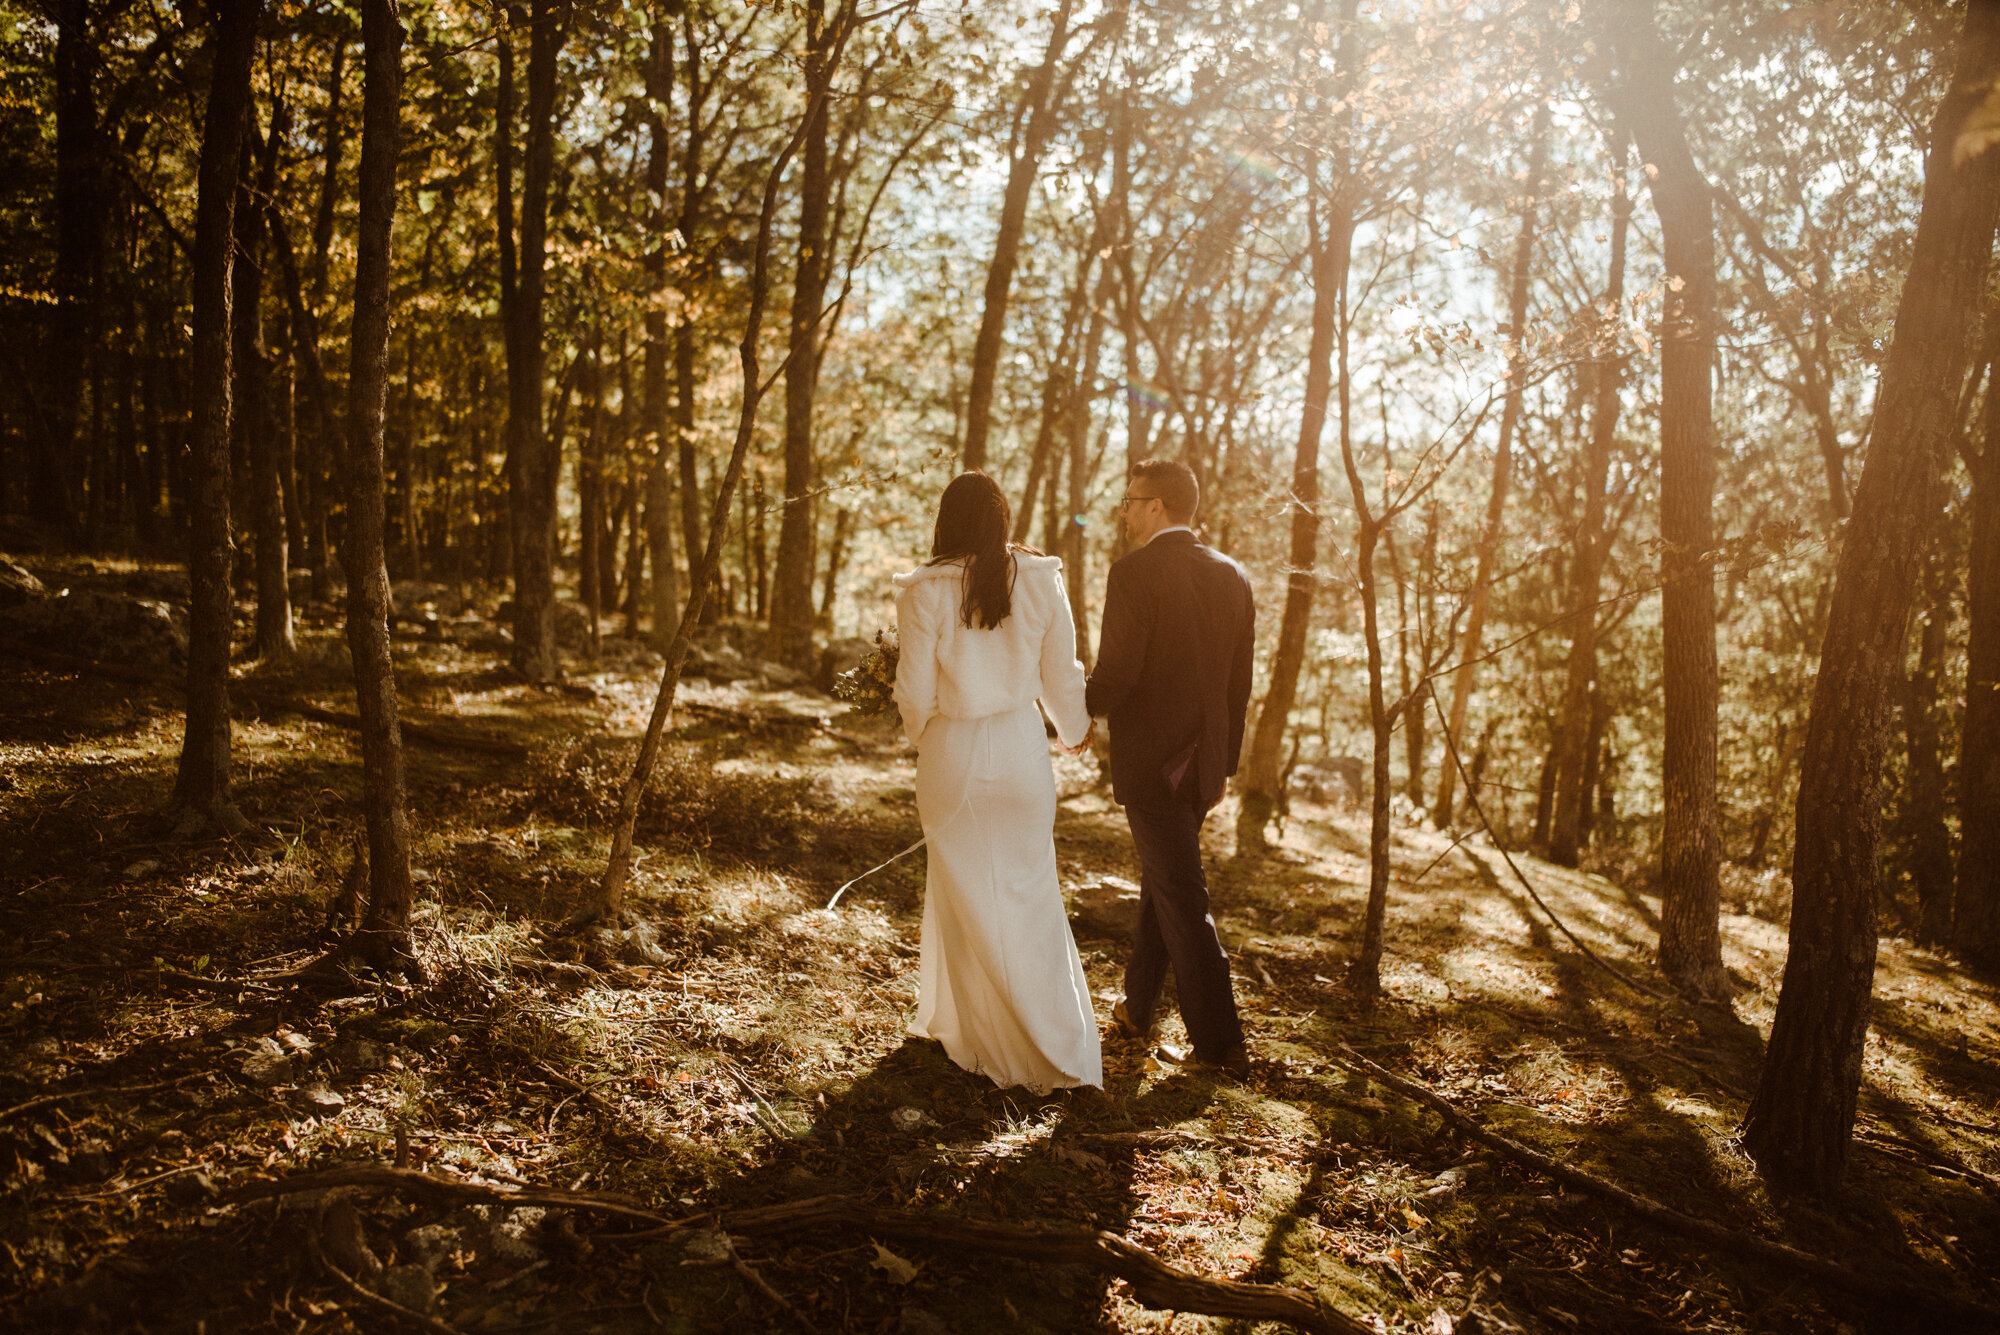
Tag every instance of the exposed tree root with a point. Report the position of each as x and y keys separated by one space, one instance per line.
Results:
x=1852 y=1278
x=1153 y=1282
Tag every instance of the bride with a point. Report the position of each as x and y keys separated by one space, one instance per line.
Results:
x=986 y=631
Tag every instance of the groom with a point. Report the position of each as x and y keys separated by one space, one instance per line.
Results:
x=1173 y=676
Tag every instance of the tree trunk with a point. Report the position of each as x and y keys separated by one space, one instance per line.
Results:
x=836 y=553
x=1366 y=973
x=406 y=549
x=1503 y=467
x=1767 y=815
x=531 y=454
x=1975 y=927
x=1414 y=717
x=1802 y=1117
x=329 y=179
x=1332 y=241
x=1057 y=388
x=254 y=420
x=610 y=897
x=1076 y=433
x=385 y=928
x=201 y=802
x=756 y=539
x=1039 y=108
x=1593 y=548
x=790 y=633
x=1926 y=837
x=590 y=497
x=326 y=444
x=686 y=332
x=1545 y=791
x=1597 y=768
x=1690 y=836
x=80 y=207
x=657 y=427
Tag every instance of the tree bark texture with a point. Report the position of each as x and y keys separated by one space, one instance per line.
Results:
x=1593 y=549
x=1332 y=241
x=385 y=926
x=790 y=636
x=201 y=801
x=1800 y=1122
x=1975 y=927
x=1039 y=108
x=532 y=454
x=1690 y=835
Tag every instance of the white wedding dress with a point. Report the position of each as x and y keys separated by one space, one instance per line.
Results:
x=1000 y=984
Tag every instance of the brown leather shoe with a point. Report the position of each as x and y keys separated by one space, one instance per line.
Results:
x=1122 y=1026
x=1235 y=1063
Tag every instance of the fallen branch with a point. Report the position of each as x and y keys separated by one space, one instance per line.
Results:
x=368 y=1296
x=229 y=987
x=1154 y=1283
x=413 y=729
x=755 y=1278
x=1927 y=1156
x=440 y=1189
x=1852 y=1278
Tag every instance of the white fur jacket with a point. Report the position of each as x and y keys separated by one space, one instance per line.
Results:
x=968 y=672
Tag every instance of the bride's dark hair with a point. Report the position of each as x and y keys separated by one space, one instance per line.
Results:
x=972 y=526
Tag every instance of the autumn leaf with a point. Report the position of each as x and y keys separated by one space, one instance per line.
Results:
x=892 y=1266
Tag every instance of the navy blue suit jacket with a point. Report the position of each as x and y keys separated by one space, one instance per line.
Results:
x=1174 y=660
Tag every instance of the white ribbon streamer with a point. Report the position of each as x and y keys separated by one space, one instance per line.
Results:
x=872 y=870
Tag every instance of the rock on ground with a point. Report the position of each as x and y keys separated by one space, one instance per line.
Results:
x=139 y=632
x=18 y=585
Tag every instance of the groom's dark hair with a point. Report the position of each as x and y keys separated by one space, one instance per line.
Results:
x=1174 y=483
x=973 y=522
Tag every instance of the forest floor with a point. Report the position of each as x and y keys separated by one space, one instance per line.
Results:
x=749 y=1048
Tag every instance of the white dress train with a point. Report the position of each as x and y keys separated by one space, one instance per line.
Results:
x=1000 y=984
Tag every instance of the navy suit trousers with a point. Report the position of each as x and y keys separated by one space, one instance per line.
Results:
x=1176 y=929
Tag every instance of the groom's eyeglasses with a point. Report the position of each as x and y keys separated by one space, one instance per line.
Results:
x=1130 y=501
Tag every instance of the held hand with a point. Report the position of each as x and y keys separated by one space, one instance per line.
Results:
x=1082 y=746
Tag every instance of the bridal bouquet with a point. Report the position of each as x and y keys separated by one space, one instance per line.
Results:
x=869 y=687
